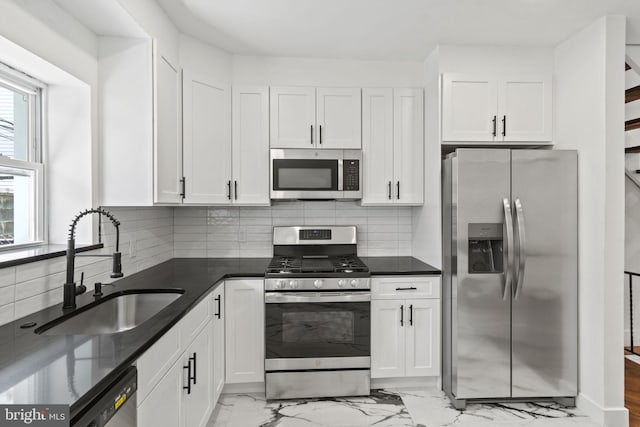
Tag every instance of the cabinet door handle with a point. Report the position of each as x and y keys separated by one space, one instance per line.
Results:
x=495 y=118
x=411 y=315
x=504 y=125
x=183 y=186
x=398 y=188
x=320 y=137
x=235 y=190
x=195 y=375
x=411 y=288
x=401 y=315
x=218 y=298
x=311 y=134
x=188 y=386
x=389 y=191
x=229 y=189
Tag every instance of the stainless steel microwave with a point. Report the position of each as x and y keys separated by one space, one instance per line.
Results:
x=316 y=174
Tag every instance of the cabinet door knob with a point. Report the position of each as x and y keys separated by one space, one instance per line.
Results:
x=311 y=134
x=218 y=299
x=504 y=125
x=398 y=187
x=389 y=191
x=235 y=190
x=229 y=189
x=320 y=137
x=495 y=118
x=195 y=375
x=183 y=187
x=401 y=315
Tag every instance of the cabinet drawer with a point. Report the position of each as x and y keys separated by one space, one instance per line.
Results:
x=191 y=324
x=405 y=287
x=155 y=362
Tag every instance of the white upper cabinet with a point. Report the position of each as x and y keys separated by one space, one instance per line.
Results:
x=207 y=139
x=496 y=108
x=469 y=108
x=524 y=109
x=250 y=147
x=339 y=118
x=377 y=146
x=393 y=146
x=168 y=141
x=303 y=117
x=408 y=146
x=293 y=117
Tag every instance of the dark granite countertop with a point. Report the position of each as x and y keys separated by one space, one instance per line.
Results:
x=73 y=369
x=398 y=265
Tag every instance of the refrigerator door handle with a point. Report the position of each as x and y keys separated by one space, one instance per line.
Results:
x=508 y=251
x=522 y=257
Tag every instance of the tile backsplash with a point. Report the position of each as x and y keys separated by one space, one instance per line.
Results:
x=149 y=236
x=27 y=288
x=247 y=231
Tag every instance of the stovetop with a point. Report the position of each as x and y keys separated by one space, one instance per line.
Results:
x=314 y=265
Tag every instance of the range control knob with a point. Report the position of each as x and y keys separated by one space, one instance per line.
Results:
x=342 y=283
x=354 y=283
x=293 y=284
x=279 y=284
x=317 y=283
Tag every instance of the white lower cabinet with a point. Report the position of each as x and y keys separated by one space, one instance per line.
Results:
x=163 y=405
x=197 y=366
x=217 y=327
x=405 y=338
x=244 y=331
x=178 y=392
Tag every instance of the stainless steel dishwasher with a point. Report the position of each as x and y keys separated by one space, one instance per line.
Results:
x=116 y=407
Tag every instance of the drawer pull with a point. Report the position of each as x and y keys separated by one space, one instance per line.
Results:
x=412 y=288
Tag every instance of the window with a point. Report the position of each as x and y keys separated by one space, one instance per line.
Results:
x=21 y=168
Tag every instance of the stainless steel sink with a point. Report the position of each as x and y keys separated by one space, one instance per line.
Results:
x=113 y=314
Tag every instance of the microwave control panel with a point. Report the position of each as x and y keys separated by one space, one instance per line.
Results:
x=351 y=175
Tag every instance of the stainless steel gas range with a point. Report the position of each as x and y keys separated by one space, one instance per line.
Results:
x=317 y=315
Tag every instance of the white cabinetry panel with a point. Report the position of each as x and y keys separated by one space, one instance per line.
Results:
x=244 y=331
x=339 y=118
x=168 y=141
x=250 y=146
x=207 y=139
x=293 y=117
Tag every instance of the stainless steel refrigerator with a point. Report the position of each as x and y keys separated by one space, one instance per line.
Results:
x=510 y=260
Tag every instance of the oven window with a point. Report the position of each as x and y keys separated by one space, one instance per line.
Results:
x=312 y=327
x=328 y=329
x=301 y=174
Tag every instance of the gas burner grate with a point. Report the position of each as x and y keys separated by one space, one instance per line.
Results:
x=348 y=264
x=284 y=264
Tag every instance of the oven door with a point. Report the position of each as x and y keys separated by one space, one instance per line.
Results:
x=317 y=330
x=305 y=174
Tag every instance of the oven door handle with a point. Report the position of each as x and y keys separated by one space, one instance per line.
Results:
x=280 y=297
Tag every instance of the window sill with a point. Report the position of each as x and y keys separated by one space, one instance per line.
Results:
x=38 y=253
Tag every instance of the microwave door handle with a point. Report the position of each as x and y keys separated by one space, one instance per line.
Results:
x=340 y=174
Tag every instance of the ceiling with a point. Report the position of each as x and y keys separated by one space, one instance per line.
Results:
x=387 y=29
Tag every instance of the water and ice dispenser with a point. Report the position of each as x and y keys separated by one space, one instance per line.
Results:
x=485 y=248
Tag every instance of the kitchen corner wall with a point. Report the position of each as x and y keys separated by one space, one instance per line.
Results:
x=31 y=287
x=247 y=231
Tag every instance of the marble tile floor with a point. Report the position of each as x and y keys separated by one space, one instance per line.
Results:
x=388 y=408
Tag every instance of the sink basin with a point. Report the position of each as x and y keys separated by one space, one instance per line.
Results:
x=115 y=313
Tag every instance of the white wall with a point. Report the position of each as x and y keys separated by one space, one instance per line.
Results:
x=427 y=227
x=31 y=287
x=632 y=260
x=279 y=71
x=494 y=59
x=205 y=59
x=62 y=53
x=589 y=116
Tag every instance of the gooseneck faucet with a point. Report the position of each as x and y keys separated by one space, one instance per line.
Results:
x=70 y=290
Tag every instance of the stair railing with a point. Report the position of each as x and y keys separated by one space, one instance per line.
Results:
x=631 y=275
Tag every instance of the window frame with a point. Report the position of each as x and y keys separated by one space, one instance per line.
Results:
x=17 y=81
